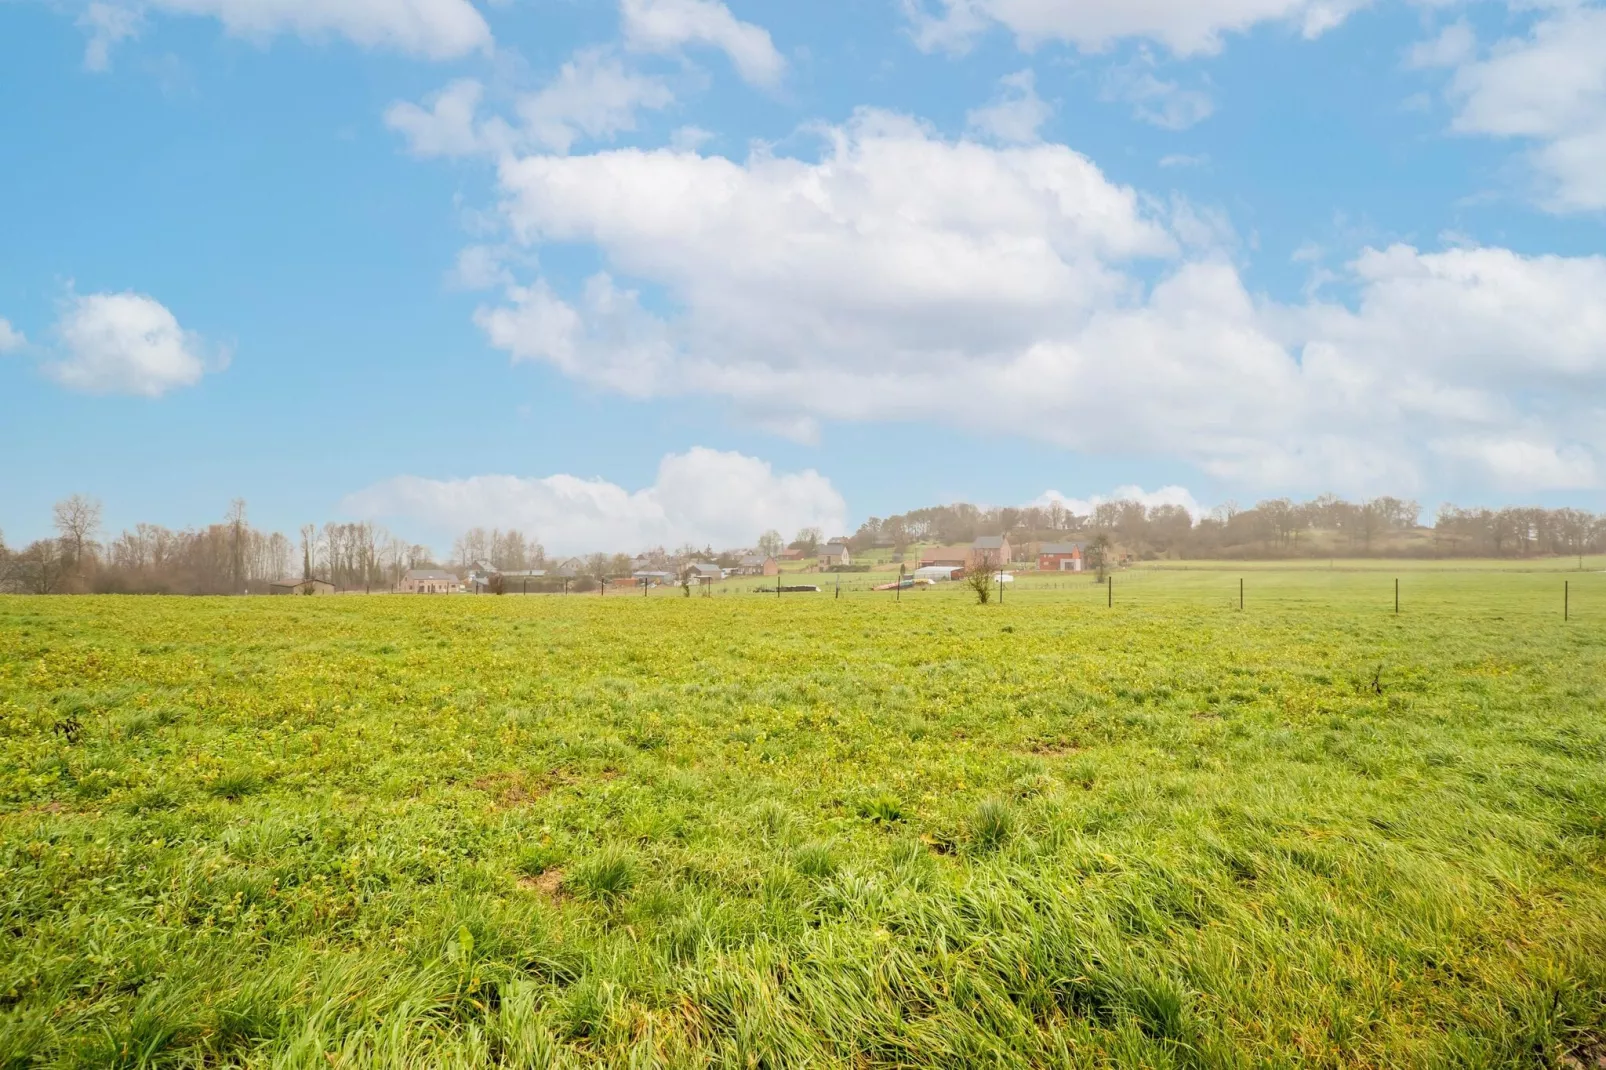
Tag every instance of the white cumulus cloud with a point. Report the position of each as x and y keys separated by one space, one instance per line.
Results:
x=592 y=97
x=1014 y=118
x=703 y=497
x=1453 y=46
x=434 y=29
x=668 y=25
x=11 y=339
x=125 y=343
x=107 y=26
x=1548 y=89
x=1154 y=100
x=1186 y=27
x=1517 y=465
x=446 y=125
x=1017 y=290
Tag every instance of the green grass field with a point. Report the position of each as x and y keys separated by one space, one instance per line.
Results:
x=808 y=831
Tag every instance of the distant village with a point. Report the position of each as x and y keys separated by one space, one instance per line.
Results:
x=929 y=565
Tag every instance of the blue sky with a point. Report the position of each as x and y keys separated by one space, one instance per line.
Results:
x=659 y=270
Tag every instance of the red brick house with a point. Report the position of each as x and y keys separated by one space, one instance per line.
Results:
x=993 y=548
x=1060 y=557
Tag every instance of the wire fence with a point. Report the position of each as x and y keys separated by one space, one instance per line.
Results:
x=1575 y=596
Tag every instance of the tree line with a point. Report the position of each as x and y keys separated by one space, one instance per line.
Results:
x=1275 y=528
x=233 y=557
x=229 y=557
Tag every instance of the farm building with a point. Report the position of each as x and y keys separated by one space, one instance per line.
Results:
x=950 y=556
x=939 y=573
x=703 y=572
x=479 y=577
x=759 y=565
x=1060 y=557
x=429 y=581
x=835 y=555
x=995 y=547
x=291 y=586
x=652 y=577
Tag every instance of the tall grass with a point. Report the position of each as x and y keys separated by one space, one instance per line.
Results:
x=639 y=832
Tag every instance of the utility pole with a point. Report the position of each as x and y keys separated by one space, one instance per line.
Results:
x=1240 y=594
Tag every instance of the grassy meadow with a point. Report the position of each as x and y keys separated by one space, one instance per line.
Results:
x=751 y=831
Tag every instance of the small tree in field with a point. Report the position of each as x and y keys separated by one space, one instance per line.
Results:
x=1098 y=552
x=497 y=583
x=979 y=576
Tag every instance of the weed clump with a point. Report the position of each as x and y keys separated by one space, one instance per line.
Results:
x=991 y=825
x=884 y=809
x=235 y=785
x=606 y=876
x=814 y=860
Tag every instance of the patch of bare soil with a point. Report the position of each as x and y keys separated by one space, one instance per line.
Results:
x=549 y=884
x=510 y=790
x=1590 y=1055
x=1051 y=748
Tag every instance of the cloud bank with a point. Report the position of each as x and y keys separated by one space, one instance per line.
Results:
x=429 y=29
x=1186 y=27
x=702 y=497
x=1015 y=289
x=1549 y=89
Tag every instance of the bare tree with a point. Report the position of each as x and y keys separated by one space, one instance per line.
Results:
x=237 y=535
x=770 y=544
x=808 y=540
x=77 y=522
x=1575 y=527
